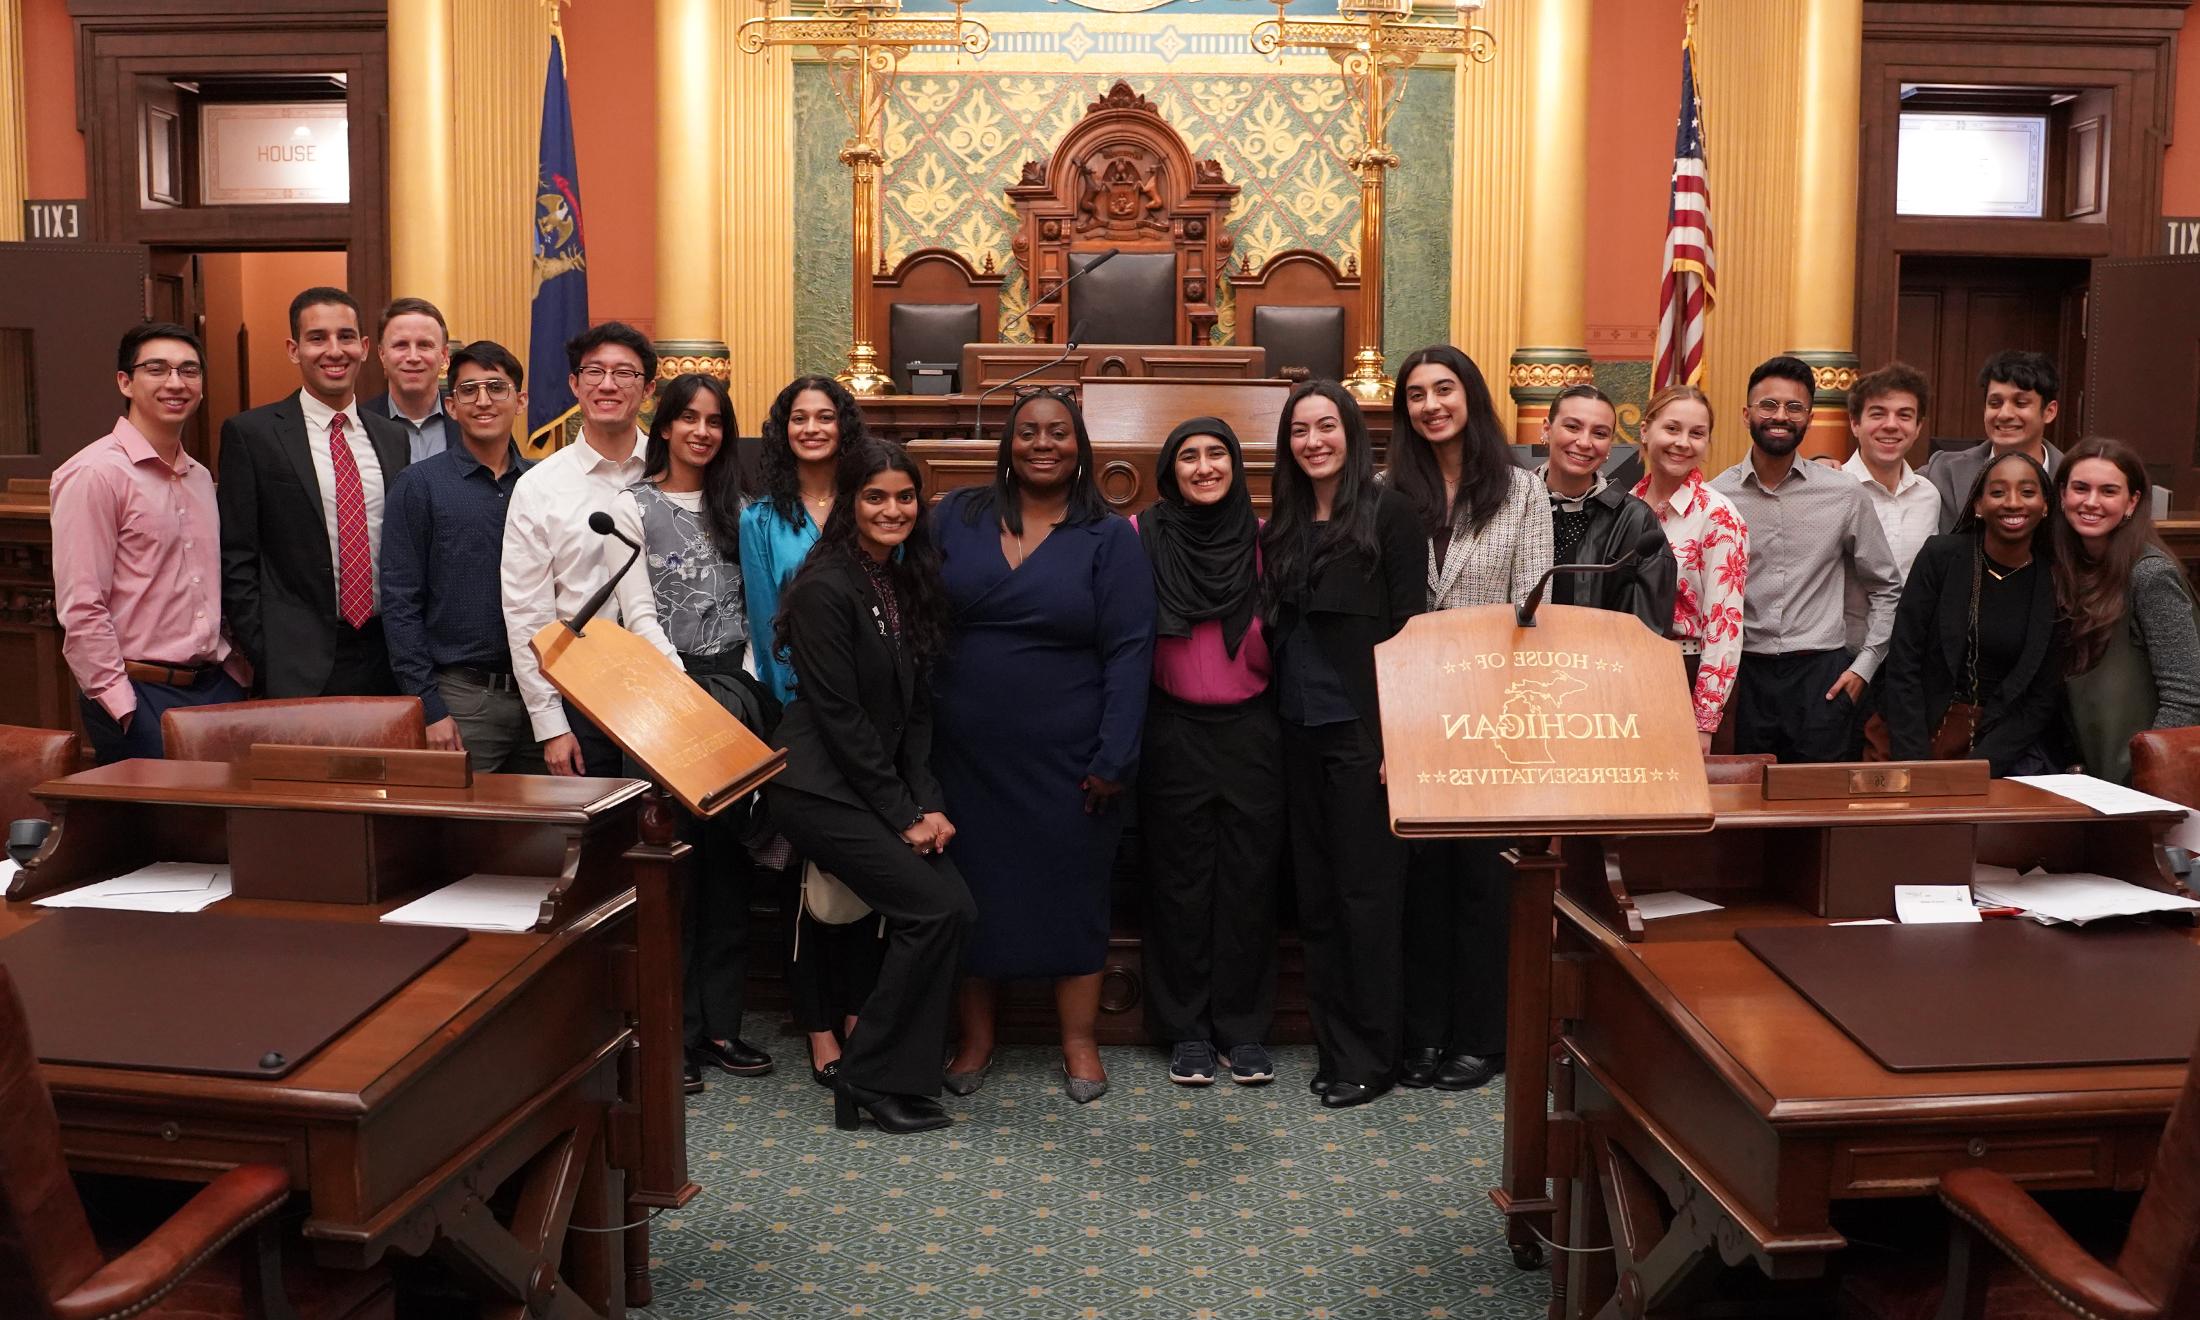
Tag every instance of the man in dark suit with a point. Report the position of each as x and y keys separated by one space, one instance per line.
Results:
x=301 y=492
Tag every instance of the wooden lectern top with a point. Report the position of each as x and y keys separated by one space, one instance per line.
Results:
x=1580 y=724
x=656 y=714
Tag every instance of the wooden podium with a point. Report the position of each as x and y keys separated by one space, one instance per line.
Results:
x=1577 y=722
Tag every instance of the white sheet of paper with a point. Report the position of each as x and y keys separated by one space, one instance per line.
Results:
x=2075 y=897
x=479 y=902
x=2185 y=834
x=2104 y=797
x=1670 y=903
x=166 y=878
x=1925 y=905
x=201 y=887
x=8 y=867
x=1867 y=921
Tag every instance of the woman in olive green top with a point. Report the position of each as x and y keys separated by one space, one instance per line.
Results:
x=2134 y=642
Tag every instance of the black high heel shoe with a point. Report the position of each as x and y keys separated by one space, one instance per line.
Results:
x=892 y=1113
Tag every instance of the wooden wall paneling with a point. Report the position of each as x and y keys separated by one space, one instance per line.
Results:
x=2121 y=56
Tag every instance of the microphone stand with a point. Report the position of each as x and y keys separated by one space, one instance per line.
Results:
x=1524 y=612
x=1057 y=291
x=600 y=522
x=977 y=414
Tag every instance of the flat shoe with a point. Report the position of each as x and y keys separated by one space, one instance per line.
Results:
x=967 y=1083
x=1465 y=1072
x=1344 y=1095
x=1083 y=1090
x=1422 y=1063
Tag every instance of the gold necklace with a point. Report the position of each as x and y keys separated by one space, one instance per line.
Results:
x=2000 y=574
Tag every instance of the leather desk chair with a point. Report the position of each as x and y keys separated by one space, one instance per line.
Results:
x=29 y=757
x=928 y=332
x=1737 y=769
x=227 y=732
x=2010 y=1260
x=198 y=1264
x=2166 y=763
x=1131 y=300
x=1308 y=338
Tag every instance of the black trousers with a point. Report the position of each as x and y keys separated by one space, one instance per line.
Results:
x=600 y=756
x=1780 y=707
x=1210 y=823
x=1456 y=945
x=1350 y=874
x=714 y=935
x=900 y=1041
x=361 y=665
x=832 y=971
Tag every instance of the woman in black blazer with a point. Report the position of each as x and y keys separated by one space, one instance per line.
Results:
x=1347 y=566
x=859 y=624
x=1977 y=625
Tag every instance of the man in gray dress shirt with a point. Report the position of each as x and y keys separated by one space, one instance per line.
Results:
x=2020 y=391
x=1811 y=530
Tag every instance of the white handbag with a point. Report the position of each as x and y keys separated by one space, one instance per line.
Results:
x=829 y=901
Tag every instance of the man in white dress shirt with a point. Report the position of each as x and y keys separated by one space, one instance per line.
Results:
x=1886 y=412
x=553 y=560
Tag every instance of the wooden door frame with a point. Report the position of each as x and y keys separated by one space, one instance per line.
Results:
x=2126 y=46
x=119 y=41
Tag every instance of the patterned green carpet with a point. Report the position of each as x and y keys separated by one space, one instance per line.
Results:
x=1155 y=1201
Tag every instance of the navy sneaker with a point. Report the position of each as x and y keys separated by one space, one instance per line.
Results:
x=1250 y=1065
x=1192 y=1064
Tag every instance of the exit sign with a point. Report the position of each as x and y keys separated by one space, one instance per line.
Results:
x=51 y=221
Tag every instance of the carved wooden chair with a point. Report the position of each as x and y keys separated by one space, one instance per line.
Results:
x=219 y=1257
x=226 y=732
x=2008 y=1259
x=29 y=757
x=2166 y=763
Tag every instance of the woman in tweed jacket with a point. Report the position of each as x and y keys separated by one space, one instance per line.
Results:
x=1489 y=529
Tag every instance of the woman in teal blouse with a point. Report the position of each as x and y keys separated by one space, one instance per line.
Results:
x=811 y=422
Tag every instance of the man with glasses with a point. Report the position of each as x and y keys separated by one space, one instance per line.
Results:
x=1811 y=531
x=137 y=556
x=553 y=560
x=442 y=550
x=302 y=487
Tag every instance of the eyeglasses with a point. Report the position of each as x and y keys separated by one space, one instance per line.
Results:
x=471 y=390
x=623 y=377
x=1065 y=393
x=156 y=369
x=1769 y=408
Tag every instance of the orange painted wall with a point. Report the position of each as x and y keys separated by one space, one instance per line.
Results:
x=2181 y=163
x=611 y=75
x=54 y=147
x=1634 y=93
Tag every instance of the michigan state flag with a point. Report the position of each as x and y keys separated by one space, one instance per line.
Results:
x=561 y=264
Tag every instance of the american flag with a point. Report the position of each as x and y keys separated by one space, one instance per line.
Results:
x=1690 y=284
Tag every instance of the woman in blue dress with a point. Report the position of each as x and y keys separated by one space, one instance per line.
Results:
x=1041 y=699
x=812 y=422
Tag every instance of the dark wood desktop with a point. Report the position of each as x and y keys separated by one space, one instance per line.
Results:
x=1703 y=1111
x=512 y=1060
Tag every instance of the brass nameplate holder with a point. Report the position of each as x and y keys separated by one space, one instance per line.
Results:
x=1879 y=779
x=391 y=767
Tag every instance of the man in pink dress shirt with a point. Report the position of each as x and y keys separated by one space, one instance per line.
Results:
x=137 y=556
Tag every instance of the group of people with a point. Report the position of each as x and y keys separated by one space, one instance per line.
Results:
x=975 y=691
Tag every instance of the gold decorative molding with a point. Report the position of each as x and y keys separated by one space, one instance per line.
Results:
x=672 y=365
x=14 y=133
x=1550 y=375
x=1835 y=379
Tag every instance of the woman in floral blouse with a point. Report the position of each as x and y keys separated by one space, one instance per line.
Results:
x=1710 y=541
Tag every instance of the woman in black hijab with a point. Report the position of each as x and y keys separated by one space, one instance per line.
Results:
x=1210 y=783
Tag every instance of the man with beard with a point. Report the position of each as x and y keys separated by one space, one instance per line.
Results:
x=1811 y=531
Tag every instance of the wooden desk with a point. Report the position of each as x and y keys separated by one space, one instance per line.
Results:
x=1687 y=1074
x=507 y=1062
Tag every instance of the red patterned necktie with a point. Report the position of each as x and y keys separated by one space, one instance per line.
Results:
x=354 y=557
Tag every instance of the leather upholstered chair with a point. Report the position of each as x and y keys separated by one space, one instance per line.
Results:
x=2166 y=763
x=29 y=757
x=1308 y=338
x=226 y=732
x=1131 y=300
x=1732 y=769
x=218 y=1257
x=928 y=332
x=2008 y=1259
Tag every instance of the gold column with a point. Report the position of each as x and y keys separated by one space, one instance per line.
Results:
x=1489 y=176
x=422 y=173
x=503 y=48
x=691 y=188
x=758 y=219
x=14 y=148
x=1751 y=65
x=1822 y=304
x=1554 y=289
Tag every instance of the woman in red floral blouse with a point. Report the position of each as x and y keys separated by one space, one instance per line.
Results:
x=1710 y=541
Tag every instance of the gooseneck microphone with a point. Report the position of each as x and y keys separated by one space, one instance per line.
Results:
x=600 y=523
x=977 y=413
x=1644 y=547
x=1055 y=293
